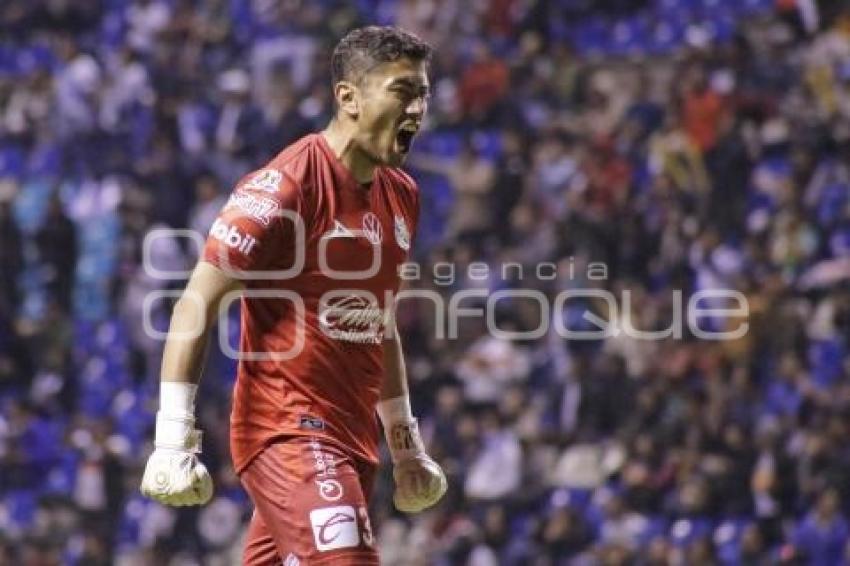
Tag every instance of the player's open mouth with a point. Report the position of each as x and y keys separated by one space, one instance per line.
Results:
x=404 y=137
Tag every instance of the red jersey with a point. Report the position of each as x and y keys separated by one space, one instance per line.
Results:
x=319 y=255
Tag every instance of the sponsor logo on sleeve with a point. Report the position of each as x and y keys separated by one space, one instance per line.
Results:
x=402 y=236
x=232 y=237
x=261 y=209
x=334 y=527
x=267 y=180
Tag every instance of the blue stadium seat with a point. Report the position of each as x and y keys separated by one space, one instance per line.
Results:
x=488 y=143
x=832 y=201
x=683 y=531
x=12 y=161
x=726 y=540
x=20 y=505
x=629 y=36
x=62 y=476
x=45 y=160
x=826 y=360
x=591 y=37
x=657 y=526
x=839 y=242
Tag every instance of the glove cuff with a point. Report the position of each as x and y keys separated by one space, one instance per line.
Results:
x=177 y=397
x=400 y=428
x=404 y=440
x=394 y=410
x=174 y=432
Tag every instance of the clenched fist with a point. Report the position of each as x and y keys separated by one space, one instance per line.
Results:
x=173 y=474
x=419 y=484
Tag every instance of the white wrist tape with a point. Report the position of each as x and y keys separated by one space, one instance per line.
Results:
x=400 y=428
x=177 y=433
x=395 y=409
x=175 y=420
x=177 y=398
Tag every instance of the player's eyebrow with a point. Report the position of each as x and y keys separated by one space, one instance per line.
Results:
x=412 y=84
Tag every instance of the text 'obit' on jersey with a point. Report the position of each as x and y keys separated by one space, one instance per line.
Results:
x=318 y=254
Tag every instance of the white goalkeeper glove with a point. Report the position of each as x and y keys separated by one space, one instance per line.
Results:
x=419 y=480
x=173 y=474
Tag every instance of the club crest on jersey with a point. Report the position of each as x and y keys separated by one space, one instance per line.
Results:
x=267 y=180
x=402 y=236
x=372 y=229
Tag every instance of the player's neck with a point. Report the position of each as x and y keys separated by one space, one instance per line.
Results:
x=341 y=142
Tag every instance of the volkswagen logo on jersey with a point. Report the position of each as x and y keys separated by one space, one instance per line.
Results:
x=372 y=228
x=402 y=236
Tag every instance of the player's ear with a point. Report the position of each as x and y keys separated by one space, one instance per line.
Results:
x=347 y=98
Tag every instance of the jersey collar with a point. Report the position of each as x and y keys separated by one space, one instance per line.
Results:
x=343 y=173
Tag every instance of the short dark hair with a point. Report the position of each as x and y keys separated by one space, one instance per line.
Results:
x=364 y=48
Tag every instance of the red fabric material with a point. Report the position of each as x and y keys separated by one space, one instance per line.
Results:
x=292 y=514
x=331 y=381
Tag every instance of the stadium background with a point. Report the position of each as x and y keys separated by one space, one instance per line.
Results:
x=688 y=144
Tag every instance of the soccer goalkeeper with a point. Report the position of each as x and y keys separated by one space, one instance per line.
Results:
x=312 y=243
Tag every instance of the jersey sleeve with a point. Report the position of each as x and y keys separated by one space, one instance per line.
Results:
x=257 y=225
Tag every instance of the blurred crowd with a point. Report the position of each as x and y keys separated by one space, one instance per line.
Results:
x=684 y=145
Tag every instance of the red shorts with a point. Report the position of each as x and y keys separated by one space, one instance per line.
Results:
x=310 y=502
